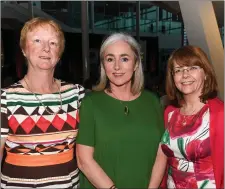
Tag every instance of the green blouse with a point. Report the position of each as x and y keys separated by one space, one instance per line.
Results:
x=125 y=146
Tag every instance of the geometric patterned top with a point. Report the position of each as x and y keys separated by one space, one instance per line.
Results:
x=30 y=130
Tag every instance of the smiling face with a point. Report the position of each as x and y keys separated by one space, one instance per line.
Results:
x=119 y=63
x=189 y=80
x=42 y=48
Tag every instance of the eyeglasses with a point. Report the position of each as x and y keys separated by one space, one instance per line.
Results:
x=190 y=70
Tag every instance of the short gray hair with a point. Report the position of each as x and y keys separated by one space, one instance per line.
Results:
x=138 y=77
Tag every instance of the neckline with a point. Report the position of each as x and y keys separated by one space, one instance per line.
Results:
x=191 y=115
x=124 y=101
x=42 y=93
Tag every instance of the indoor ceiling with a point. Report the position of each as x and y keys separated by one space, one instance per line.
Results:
x=173 y=6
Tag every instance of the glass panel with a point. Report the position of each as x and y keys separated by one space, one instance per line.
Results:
x=68 y=12
x=74 y=14
x=148 y=18
x=119 y=16
x=115 y=16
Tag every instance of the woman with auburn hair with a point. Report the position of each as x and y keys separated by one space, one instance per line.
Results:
x=192 y=147
x=120 y=123
x=39 y=115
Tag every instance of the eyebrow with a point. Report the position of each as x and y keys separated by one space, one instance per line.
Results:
x=124 y=55
x=180 y=67
x=38 y=36
x=114 y=55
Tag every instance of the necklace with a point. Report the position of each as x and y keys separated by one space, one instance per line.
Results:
x=126 y=109
x=184 y=121
x=54 y=113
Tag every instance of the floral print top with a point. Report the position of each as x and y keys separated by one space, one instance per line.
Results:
x=188 y=150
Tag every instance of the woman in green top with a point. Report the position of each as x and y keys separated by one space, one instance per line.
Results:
x=121 y=124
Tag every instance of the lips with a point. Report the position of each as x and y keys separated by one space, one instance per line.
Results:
x=45 y=57
x=187 y=82
x=118 y=74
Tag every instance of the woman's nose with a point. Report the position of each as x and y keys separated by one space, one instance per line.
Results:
x=185 y=73
x=46 y=46
x=117 y=65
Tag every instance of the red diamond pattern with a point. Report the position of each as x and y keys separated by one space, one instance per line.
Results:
x=58 y=123
x=43 y=124
x=71 y=121
x=13 y=124
x=25 y=120
x=28 y=124
x=78 y=117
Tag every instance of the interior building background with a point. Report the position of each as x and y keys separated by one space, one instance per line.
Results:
x=157 y=25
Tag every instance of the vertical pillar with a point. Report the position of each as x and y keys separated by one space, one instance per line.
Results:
x=85 y=39
x=2 y=53
x=157 y=20
x=182 y=34
x=30 y=8
x=138 y=20
x=202 y=30
x=92 y=18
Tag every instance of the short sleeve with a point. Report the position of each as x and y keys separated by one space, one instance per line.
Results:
x=4 y=119
x=87 y=123
x=81 y=94
x=168 y=110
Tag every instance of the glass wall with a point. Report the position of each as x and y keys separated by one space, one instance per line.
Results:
x=108 y=16
x=122 y=17
x=116 y=16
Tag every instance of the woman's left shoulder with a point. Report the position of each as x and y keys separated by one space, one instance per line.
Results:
x=66 y=85
x=150 y=95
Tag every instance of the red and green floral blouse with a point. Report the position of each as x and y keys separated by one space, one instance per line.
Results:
x=188 y=149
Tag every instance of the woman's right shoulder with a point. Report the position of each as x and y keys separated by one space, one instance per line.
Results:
x=94 y=95
x=167 y=112
x=13 y=88
x=169 y=109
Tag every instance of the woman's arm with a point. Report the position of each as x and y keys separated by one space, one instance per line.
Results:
x=90 y=167
x=2 y=149
x=158 y=169
x=4 y=123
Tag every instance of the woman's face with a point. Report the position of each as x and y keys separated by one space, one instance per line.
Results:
x=189 y=80
x=119 y=63
x=42 y=48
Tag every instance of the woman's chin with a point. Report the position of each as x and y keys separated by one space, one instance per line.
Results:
x=46 y=66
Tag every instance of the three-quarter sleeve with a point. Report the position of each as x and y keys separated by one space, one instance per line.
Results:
x=86 y=133
x=4 y=117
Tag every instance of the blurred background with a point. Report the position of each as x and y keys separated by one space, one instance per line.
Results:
x=159 y=26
